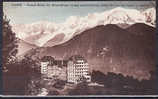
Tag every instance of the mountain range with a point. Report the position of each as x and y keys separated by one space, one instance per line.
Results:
x=110 y=48
x=47 y=34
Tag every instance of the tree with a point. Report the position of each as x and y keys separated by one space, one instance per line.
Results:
x=9 y=47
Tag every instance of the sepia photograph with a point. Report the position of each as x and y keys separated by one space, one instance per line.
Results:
x=79 y=48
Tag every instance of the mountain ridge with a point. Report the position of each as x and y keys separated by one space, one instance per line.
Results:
x=76 y=25
x=110 y=48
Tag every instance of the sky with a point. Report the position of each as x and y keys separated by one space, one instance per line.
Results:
x=58 y=12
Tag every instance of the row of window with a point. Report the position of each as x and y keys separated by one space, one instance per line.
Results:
x=78 y=75
x=78 y=72
x=79 y=79
x=80 y=65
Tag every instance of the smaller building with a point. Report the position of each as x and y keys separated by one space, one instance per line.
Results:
x=78 y=70
x=44 y=67
x=52 y=68
x=45 y=62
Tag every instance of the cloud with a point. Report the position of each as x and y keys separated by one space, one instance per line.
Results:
x=41 y=32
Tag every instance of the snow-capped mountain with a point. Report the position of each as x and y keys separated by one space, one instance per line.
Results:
x=40 y=33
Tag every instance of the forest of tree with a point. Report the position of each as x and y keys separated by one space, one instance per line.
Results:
x=16 y=74
x=9 y=43
x=117 y=84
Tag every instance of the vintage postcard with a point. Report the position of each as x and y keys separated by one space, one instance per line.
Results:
x=79 y=48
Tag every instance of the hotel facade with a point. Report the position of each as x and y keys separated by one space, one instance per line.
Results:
x=78 y=70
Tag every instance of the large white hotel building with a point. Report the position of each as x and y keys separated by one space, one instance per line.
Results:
x=78 y=70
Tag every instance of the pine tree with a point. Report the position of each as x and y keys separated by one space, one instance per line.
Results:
x=9 y=43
